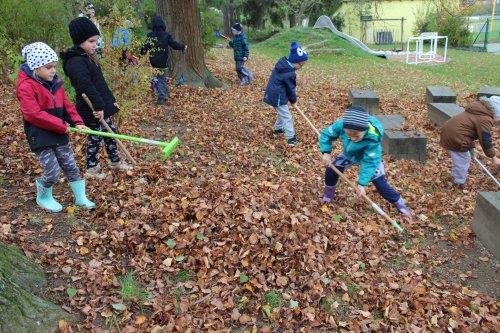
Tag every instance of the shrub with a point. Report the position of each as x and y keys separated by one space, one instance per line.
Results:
x=446 y=19
x=211 y=20
x=338 y=21
x=259 y=35
x=20 y=24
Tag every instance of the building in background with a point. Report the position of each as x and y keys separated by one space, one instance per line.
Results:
x=382 y=21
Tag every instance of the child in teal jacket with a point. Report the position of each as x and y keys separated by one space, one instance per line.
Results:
x=361 y=136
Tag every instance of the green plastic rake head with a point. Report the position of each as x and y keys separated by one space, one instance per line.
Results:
x=167 y=147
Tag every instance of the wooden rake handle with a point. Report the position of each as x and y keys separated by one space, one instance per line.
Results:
x=106 y=126
x=351 y=184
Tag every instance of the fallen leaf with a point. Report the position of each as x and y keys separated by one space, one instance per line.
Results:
x=244 y=319
x=84 y=250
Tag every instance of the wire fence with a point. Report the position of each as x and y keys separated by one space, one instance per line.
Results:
x=485 y=31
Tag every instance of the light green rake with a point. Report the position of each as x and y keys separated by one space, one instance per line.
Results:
x=167 y=147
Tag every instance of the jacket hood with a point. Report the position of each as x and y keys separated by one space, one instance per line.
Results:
x=482 y=107
x=158 y=24
x=284 y=66
x=26 y=73
x=374 y=125
x=75 y=51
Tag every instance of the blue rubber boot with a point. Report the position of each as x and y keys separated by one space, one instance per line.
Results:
x=45 y=199
x=78 y=188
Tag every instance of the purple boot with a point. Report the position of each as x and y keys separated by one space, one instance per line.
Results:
x=403 y=209
x=328 y=193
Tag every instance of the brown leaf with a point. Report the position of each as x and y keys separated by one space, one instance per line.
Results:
x=244 y=319
x=282 y=281
x=253 y=239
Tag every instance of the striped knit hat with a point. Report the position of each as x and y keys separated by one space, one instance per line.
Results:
x=356 y=118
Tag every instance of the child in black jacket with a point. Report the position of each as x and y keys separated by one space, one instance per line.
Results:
x=157 y=45
x=82 y=68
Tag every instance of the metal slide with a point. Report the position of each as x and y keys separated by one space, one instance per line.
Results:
x=325 y=22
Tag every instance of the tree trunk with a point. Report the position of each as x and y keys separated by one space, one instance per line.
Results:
x=228 y=18
x=182 y=18
x=20 y=309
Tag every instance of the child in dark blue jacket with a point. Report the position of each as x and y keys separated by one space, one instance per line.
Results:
x=281 y=90
x=239 y=43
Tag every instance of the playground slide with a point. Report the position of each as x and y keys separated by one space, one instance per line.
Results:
x=325 y=22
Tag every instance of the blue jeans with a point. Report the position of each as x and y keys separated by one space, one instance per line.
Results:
x=162 y=86
x=244 y=74
x=378 y=179
x=284 y=121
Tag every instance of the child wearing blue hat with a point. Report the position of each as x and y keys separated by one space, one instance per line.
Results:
x=361 y=136
x=241 y=51
x=281 y=90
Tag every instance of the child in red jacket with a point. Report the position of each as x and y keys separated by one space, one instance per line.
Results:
x=46 y=111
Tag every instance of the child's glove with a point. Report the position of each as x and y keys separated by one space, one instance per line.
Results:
x=326 y=159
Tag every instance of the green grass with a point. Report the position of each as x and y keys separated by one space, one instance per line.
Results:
x=273 y=299
x=279 y=45
x=183 y=276
x=130 y=290
x=466 y=71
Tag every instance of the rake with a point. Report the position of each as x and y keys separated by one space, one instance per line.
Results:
x=219 y=34
x=167 y=147
x=485 y=169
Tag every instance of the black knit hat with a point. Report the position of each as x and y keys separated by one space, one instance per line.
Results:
x=81 y=29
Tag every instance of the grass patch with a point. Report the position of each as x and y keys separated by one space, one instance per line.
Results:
x=273 y=299
x=398 y=262
x=177 y=293
x=278 y=160
x=183 y=276
x=130 y=290
x=326 y=304
x=464 y=73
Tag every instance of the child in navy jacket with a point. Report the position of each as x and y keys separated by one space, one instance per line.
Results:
x=281 y=90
